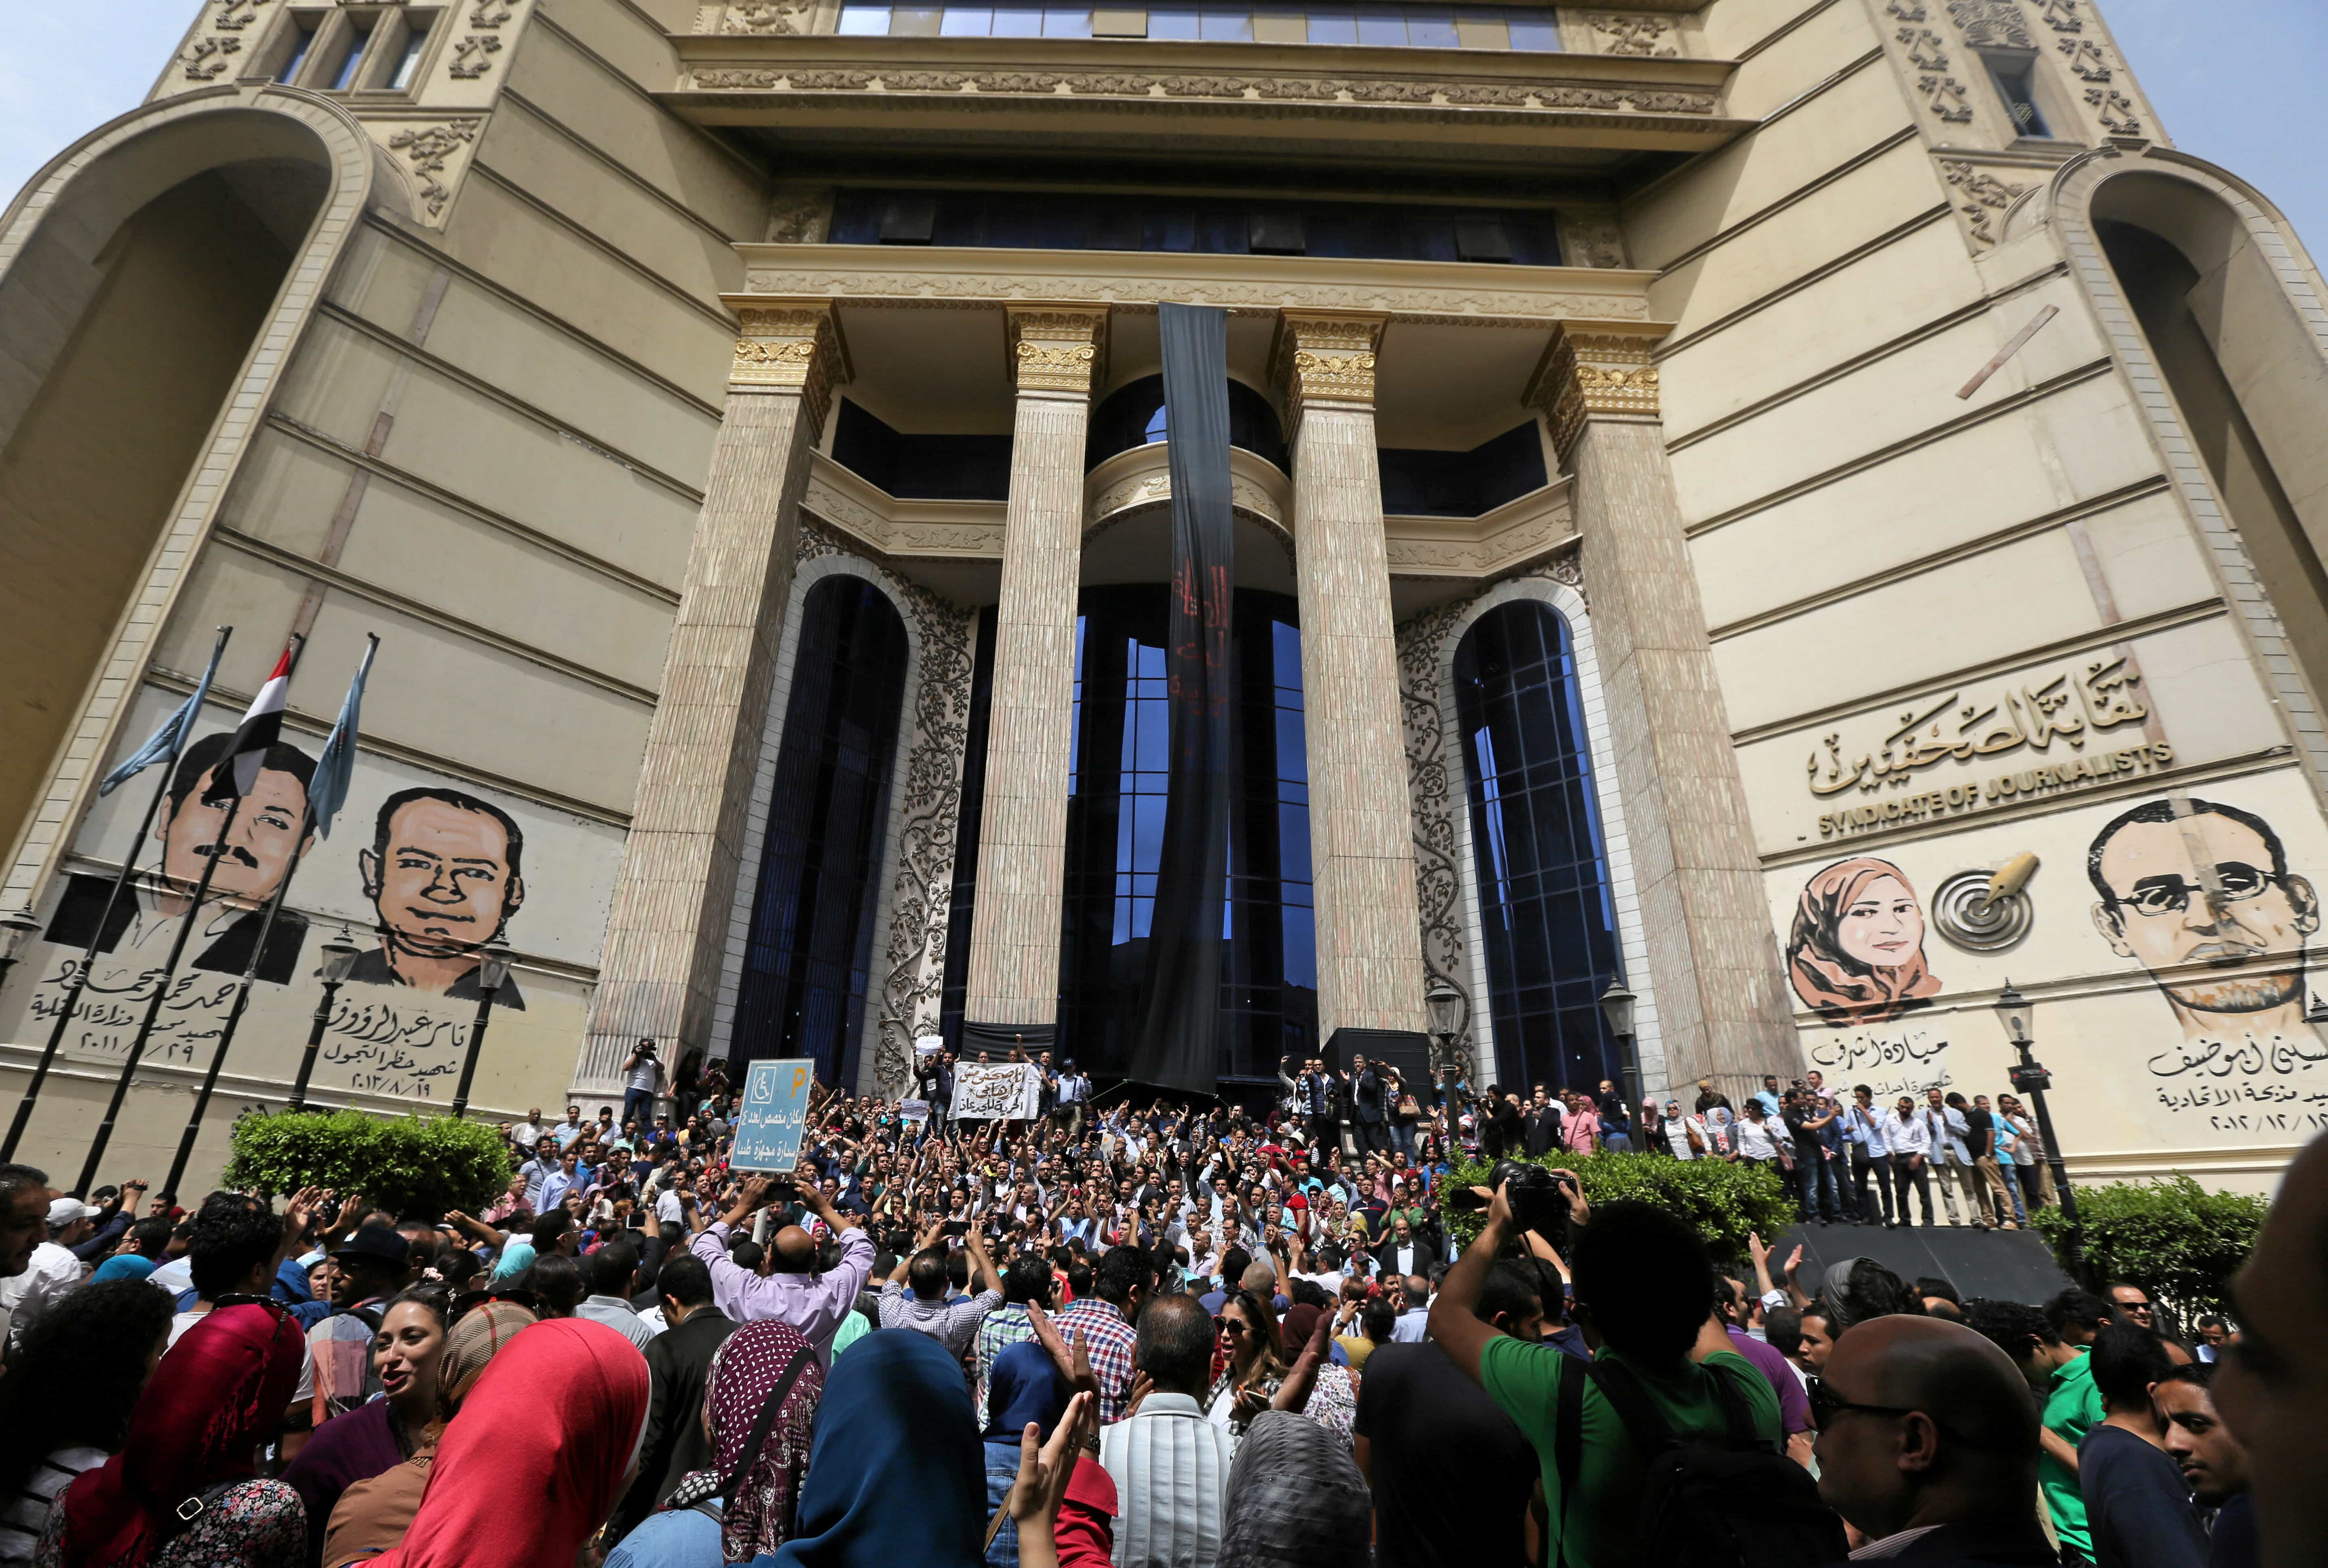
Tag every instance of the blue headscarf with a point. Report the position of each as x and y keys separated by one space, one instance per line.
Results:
x=896 y=1473
x=1024 y=1385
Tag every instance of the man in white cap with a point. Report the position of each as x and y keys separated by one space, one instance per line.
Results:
x=53 y=1270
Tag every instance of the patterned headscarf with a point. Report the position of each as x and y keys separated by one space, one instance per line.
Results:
x=220 y=1389
x=743 y=1372
x=474 y=1338
x=1842 y=987
x=1295 y=1497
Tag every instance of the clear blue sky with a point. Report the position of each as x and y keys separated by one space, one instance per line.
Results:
x=2235 y=83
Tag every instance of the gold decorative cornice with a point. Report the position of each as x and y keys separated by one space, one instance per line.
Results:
x=791 y=345
x=1057 y=348
x=1325 y=356
x=1600 y=372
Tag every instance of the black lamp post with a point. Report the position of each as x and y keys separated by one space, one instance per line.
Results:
x=339 y=955
x=491 y=973
x=14 y=931
x=2028 y=1078
x=1442 y=1004
x=1617 y=1007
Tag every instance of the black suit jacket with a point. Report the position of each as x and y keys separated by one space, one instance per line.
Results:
x=1544 y=1129
x=83 y=905
x=679 y=1363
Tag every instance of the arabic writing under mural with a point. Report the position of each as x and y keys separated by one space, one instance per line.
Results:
x=2220 y=1058
x=1891 y=1064
x=2033 y=716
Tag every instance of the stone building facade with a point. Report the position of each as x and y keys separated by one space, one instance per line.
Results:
x=1716 y=486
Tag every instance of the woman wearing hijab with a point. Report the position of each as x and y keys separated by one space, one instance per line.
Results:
x=1024 y=1385
x=372 y=1516
x=378 y=1436
x=534 y=1462
x=1295 y=1499
x=895 y=1474
x=182 y=1493
x=741 y=1509
x=1856 y=952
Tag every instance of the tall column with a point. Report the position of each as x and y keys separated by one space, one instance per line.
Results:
x=1057 y=353
x=677 y=889
x=1361 y=823
x=1720 y=1006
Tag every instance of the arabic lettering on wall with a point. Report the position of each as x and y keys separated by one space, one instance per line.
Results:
x=2033 y=715
x=1892 y=1062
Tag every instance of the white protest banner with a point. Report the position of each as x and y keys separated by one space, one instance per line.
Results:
x=996 y=1092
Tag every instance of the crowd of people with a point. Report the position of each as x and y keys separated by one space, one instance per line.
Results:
x=1152 y=1335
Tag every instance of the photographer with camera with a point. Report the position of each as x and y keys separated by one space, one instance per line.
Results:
x=643 y=1080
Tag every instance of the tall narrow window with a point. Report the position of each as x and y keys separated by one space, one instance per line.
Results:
x=2015 y=79
x=342 y=73
x=407 y=60
x=1548 y=921
x=303 y=40
x=807 y=965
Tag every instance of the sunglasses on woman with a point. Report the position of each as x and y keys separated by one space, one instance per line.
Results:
x=1229 y=1325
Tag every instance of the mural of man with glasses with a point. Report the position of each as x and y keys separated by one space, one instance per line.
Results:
x=2201 y=895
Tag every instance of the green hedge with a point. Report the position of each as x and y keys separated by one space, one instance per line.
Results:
x=1723 y=1200
x=413 y=1167
x=2176 y=1239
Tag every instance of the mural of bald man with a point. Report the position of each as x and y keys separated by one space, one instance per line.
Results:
x=261 y=848
x=445 y=876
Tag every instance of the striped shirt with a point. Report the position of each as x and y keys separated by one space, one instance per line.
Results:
x=1170 y=1467
x=26 y=1512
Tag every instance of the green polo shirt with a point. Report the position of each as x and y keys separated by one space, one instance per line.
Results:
x=2073 y=1408
x=1598 y=1529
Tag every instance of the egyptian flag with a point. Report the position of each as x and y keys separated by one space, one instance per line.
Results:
x=261 y=727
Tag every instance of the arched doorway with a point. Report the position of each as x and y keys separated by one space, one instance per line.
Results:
x=808 y=961
x=124 y=321
x=1547 y=912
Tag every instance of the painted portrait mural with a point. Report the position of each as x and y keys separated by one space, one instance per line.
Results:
x=1855 y=957
x=423 y=874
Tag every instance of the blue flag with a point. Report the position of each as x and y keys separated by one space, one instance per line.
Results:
x=170 y=739
x=327 y=791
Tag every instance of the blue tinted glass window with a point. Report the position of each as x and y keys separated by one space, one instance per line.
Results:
x=1067 y=21
x=1548 y=923
x=1431 y=27
x=1222 y=21
x=864 y=21
x=1383 y=26
x=808 y=961
x=1333 y=24
x=1534 y=30
x=1019 y=21
x=967 y=20
x=1173 y=19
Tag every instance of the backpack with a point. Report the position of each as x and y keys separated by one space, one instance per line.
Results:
x=1737 y=1505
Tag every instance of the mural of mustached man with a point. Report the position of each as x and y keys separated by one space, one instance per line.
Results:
x=2201 y=894
x=260 y=850
x=443 y=875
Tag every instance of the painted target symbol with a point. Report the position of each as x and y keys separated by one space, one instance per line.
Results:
x=1962 y=914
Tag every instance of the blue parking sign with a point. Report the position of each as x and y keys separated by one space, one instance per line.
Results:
x=775 y=1114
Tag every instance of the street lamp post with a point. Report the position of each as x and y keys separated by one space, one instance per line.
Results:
x=2028 y=1078
x=490 y=973
x=339 y=955
x=1617 y=1007
x=1443 y=1007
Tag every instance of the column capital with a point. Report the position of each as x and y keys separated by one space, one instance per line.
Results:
x=1325 y=356
x=1057 y=347
x=1597 y=370
x=790 y=344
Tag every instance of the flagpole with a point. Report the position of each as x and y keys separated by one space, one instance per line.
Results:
x=177 y=950
x=96 y=938
x=234 y=1016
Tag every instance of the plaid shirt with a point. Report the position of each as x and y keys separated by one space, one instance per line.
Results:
x=997 y=1332
x=1107 y=1340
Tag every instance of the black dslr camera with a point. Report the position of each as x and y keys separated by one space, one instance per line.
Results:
x=1539 y=1199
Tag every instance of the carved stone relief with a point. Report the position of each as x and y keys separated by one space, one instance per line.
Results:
x=1986 y=199
x=921 y=895
x=1991 y=23
x=427 y=149
x=1945 y=97
x=472 y=57
x=1590 y=241
x=205 y=58
x=1642 y=35
x=800 y=218
x=234 y=16
x=770 y=17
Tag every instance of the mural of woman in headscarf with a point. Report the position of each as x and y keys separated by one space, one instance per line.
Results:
x=1856 y=954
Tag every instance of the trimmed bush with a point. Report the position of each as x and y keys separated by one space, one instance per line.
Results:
x=1723 y=1201
x=2176 y=1239
x=414 y=1166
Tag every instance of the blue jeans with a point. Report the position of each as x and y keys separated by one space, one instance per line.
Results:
x=1618 y=1142
x=1001 y=1474
x=638 y=1105
x=1815 y=1180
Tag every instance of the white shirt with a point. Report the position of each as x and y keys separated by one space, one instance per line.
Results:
x=1170 y=1467
x=1874 y=1123
x=647 y=1074
x=176 y=1276
x=526 y=1134
x=667 y=1209
x=47 y=1277
x=1908 y=1136
x=1411 y=1326
x=1754 y=1140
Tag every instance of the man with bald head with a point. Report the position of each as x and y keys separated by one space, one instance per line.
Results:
x=789 y=1292
x=2272 y=1388
x=1928 y=1445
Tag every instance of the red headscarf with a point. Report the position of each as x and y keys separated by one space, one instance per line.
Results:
x=1842 y=987
x=527 y=1472
x=220 y=1390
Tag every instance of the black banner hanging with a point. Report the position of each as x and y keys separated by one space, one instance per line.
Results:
x=1180 y=1043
